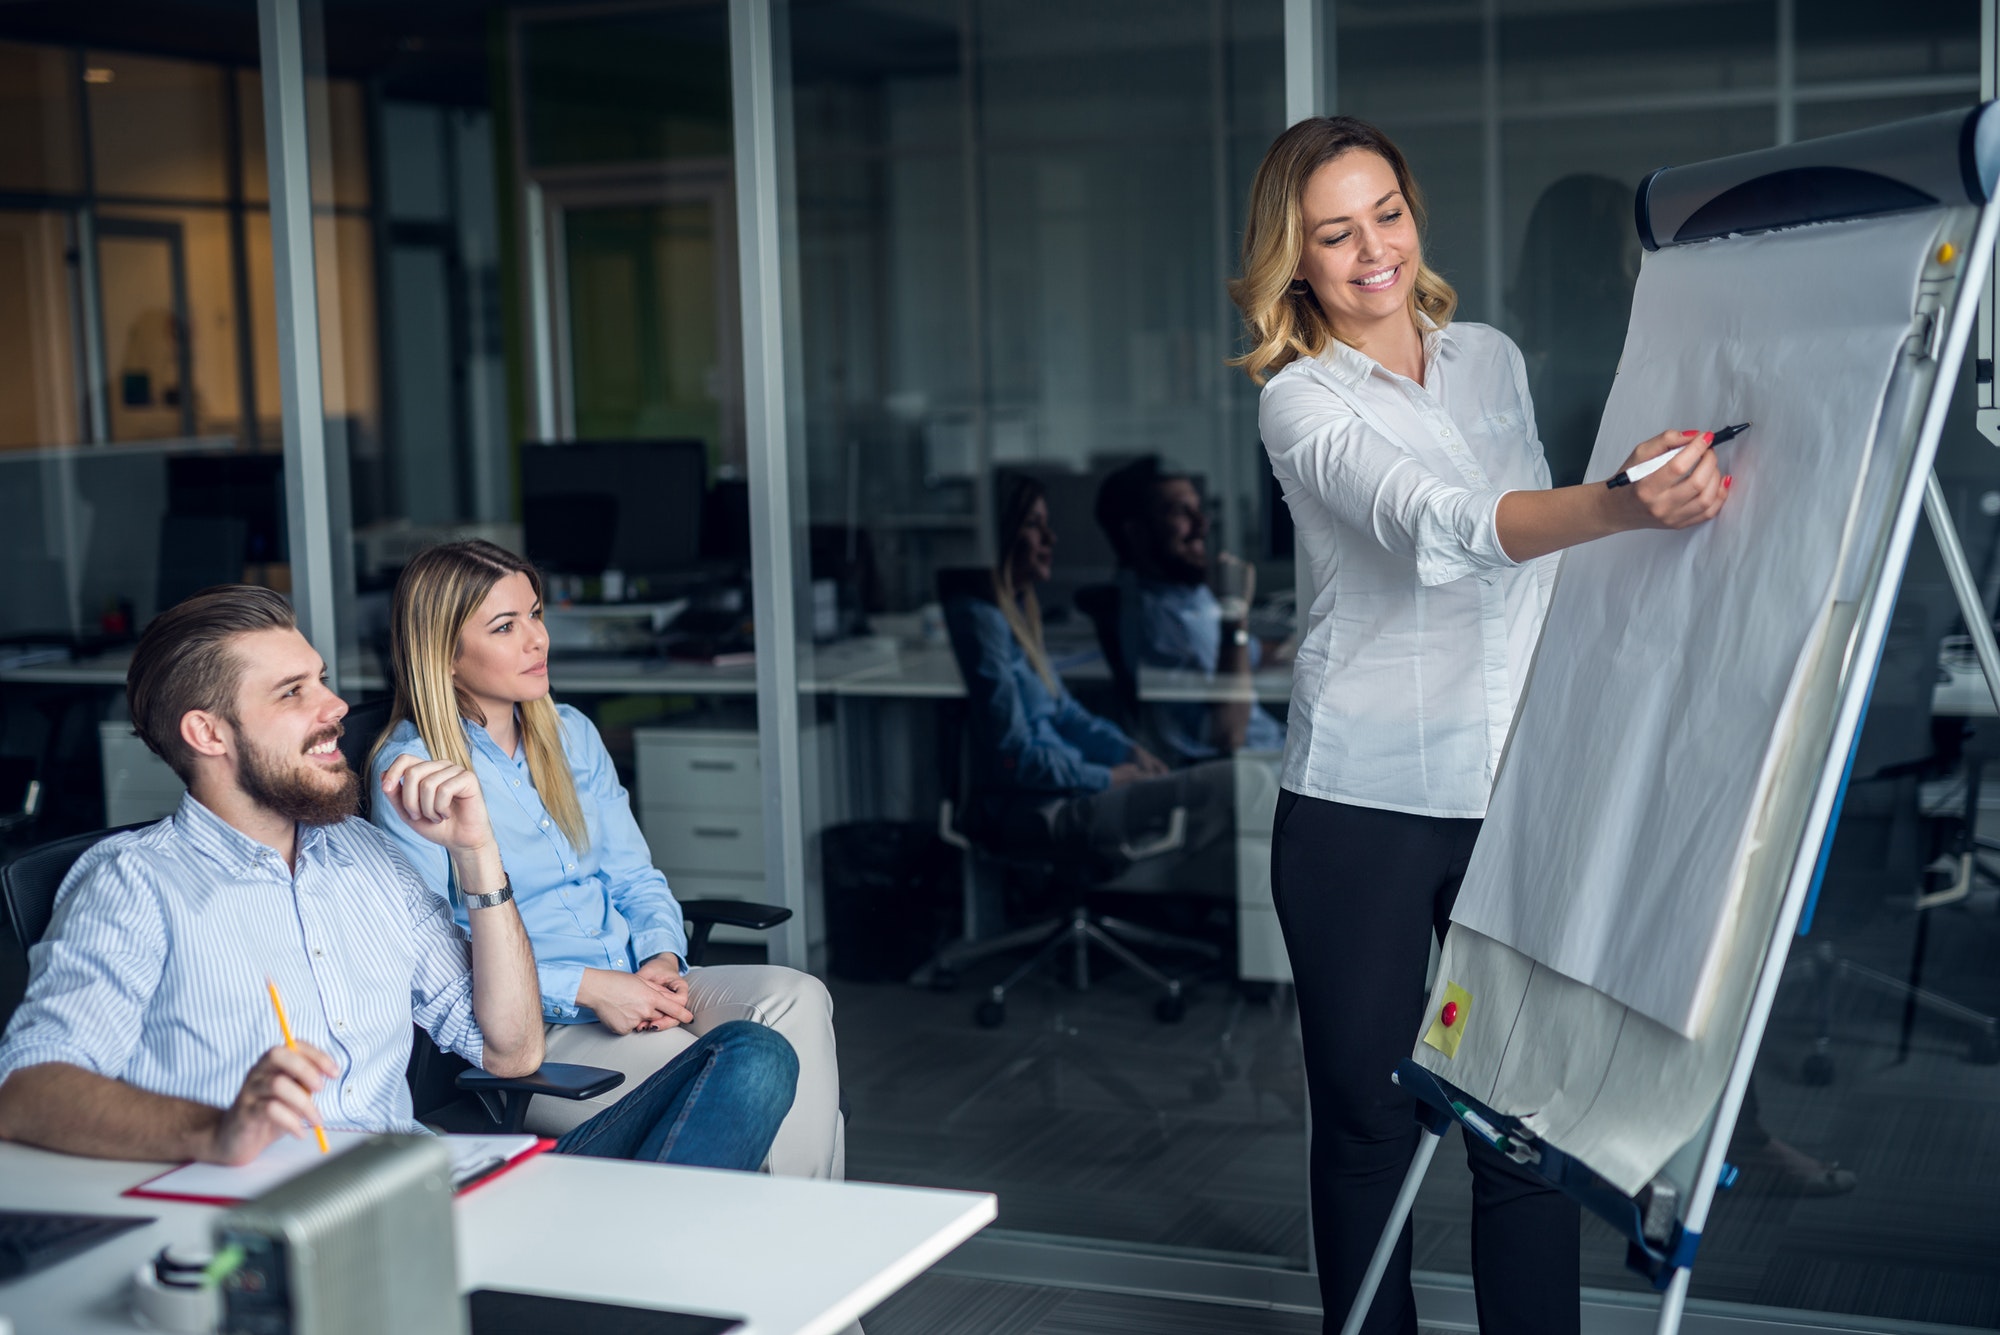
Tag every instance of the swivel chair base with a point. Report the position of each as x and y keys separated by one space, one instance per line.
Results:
x=1076 y=933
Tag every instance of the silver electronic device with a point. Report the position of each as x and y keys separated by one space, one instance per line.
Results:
x=361 y=1245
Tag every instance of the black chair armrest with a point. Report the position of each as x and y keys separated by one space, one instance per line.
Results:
x=702 y=915
x=734 y=913
x=563 y=1080
x=505 y=1098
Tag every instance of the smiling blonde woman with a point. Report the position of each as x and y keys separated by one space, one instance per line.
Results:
x=1405 y=444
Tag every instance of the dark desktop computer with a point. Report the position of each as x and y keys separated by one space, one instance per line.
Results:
x=633 y=506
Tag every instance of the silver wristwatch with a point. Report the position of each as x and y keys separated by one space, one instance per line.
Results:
x=494 y=900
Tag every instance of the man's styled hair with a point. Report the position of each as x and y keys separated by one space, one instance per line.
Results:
x=184 y=661
x=1124 y=495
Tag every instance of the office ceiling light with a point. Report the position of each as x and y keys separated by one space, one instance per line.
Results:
x=98 y=74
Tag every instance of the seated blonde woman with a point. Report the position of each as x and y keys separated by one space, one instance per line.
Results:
x=472 y=687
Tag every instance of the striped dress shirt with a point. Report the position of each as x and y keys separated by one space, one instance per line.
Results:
x=152 y=970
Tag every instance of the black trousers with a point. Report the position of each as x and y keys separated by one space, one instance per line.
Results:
x=1360 y=893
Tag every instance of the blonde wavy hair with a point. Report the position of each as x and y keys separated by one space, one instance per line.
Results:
x=437 y=595
x=1282 y=317
x=1020 y=606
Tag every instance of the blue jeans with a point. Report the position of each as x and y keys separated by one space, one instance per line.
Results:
x=717 y=1105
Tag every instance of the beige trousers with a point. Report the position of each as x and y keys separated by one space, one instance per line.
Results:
x=812 y=1141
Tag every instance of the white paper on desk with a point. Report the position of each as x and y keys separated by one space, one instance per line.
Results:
x=1620 y=822
x=285 y=1158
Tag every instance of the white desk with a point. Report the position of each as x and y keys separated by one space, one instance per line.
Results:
x=1271 y=686
x=794 y=1257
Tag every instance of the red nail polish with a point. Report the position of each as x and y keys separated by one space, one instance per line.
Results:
x=1727 y=480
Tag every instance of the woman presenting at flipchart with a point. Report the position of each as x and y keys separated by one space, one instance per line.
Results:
x=1406 y=448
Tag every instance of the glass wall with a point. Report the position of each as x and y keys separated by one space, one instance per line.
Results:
x=139 y=458
x=1015 y=223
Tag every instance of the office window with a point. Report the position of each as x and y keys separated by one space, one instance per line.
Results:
x=340 y=163
x=39 y=399
x=643 y=87
x=159 y=128
x=40 y=148
x=139 y=433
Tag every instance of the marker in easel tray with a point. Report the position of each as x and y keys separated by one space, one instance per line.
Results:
x=1659 y=461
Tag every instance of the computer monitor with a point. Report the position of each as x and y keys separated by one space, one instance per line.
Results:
x=588 y=506
x=245 y=487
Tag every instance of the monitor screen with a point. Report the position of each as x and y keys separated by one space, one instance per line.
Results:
x=630 y=505
x=249 y=488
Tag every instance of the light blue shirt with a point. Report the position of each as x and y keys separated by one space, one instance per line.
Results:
x=601 y=907
x=1029 y=739
x=1179 y=626
x=152 y=970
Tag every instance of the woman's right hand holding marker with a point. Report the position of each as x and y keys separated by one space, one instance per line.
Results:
x=1688 y=491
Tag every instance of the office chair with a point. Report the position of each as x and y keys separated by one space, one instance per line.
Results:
x=434 y=1074
x=1079 y=927
x=28 y=887
x=20 y=794
x=1104 y=605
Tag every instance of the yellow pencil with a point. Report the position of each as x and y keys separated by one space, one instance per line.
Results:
x=285 y=1027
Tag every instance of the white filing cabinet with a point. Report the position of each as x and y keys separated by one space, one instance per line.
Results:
x=1260 y=944
x=700 y=802
x=137 y=784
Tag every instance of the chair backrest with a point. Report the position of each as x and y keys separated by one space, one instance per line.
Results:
x=364 y=723
x=29 y=883
x=1104 y=605
x=28 y=886
x=964 y=582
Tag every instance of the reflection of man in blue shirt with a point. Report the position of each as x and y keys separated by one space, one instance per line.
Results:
x=1169 y=617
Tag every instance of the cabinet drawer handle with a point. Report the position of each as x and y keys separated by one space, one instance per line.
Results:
x=724 y=766
x=716 y=832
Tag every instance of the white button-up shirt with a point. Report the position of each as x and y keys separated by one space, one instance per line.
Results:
x=1421 y=627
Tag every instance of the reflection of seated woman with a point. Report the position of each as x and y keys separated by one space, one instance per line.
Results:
x=472 y=686
x=1054 y=778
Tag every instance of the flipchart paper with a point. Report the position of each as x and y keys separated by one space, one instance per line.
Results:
x=1666 y=676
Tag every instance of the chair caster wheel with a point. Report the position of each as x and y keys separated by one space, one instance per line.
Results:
x=1985 y=1048
x=1169 y=1010
x=944 y=980
x=1817 y=1069
x=990 y=1014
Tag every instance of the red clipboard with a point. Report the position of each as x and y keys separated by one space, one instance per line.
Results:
x=146 y=1190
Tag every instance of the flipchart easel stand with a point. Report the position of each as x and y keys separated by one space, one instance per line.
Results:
x=1948 y=162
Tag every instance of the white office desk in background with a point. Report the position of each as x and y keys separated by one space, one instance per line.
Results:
x=791 y=1256
x=1270 y=686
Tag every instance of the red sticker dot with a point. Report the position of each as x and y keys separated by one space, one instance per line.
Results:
x=1450 y=1014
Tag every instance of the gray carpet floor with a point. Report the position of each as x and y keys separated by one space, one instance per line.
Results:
x=1091 y=1119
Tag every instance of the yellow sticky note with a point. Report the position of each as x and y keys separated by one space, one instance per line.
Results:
x=1449 y=1020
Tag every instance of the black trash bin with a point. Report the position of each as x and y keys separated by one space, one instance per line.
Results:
x=892 y=898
